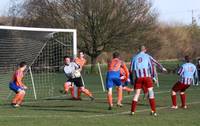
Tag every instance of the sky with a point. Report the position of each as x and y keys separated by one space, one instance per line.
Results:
x=178 y=11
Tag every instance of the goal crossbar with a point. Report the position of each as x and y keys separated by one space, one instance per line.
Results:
x=74 y=31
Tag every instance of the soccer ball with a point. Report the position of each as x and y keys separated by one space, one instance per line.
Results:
x=76 y=74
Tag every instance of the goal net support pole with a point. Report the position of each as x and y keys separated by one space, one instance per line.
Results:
x=100 y=74
x=33 y=84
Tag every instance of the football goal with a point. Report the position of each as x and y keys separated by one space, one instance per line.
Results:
x=43 y=49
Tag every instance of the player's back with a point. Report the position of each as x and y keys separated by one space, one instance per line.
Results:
x=187 y=72
x=114 y=67
x=141 y=61
x=142 y=65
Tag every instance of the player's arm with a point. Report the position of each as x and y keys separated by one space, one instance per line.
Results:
x=157 y=63
x=180 y=71
x=131 y=70
x=196 y=77
x=125 y=71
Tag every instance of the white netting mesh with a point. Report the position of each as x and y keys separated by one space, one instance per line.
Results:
x=43 y=51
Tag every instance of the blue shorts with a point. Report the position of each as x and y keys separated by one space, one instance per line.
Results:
x=13 y=86
x=112 y=80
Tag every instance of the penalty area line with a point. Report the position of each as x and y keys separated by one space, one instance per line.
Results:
x=89 y=116
x=138 y=111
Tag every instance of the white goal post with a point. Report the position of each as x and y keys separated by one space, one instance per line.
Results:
x=43 y=49
x=47 y=30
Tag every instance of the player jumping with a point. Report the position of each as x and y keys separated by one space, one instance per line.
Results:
x=141 y=66
x=18 y=86
x=188 y=75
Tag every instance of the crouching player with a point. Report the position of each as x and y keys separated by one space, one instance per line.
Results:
x=72 y=71
x=113 y=78
x=141 y=65
x=188 y=75
x=17 y=85
x=124 y=76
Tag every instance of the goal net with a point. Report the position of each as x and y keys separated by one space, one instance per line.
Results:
x=43 y=49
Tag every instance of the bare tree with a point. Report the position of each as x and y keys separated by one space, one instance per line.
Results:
x=102 y=24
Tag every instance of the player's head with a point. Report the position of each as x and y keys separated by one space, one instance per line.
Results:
x=198 y=61
x=22 y=65
x=81 y=54
x=142 y=48
x=66 y=59
x=187 y=58
x=116 y=55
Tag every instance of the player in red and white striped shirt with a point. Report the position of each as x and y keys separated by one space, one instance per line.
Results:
x=188 y=75
x=142 y=67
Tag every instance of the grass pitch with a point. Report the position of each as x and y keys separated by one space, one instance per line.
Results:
x=61 y=111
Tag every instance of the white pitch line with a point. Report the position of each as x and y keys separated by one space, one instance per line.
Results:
x=138 y=111
x=90 y=116
x=43 y=100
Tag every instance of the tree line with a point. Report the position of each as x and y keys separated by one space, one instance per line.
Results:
x=108 y=25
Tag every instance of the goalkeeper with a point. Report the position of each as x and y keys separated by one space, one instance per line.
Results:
x=72 y=72
x=18 y=86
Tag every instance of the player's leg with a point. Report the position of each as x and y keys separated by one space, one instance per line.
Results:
x=129 y=90
x=152 y=100
x=119 y=96
x=126 y=88
x=135 y=100
x=137 y=87
x=145 y=91
x=109 y=98
x=71 y=88
x=79 y=94
x=173 y=97
x=67 y=86
x=149 y=84
x=118 y=83
x=109 y=86
x=183 y=95
x=175 y=89
x=21 y=98
x=79 y=84
x=17 y=97
x=183 y=99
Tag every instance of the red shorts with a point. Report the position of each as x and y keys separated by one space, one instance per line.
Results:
x=180 y=87
x=144 y=82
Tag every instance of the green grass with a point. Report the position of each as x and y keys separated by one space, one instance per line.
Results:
x=61 y=111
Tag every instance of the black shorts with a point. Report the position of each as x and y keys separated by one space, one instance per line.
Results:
x=76 y=81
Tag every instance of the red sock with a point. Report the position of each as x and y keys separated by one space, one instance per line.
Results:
x=183 y=99
x=72 y=91
x=173 y=100
x=133 y=106
x=152 y=104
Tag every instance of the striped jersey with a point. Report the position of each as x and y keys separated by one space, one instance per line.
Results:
x=188 y=72
x=142 y=65
x=70 y=68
